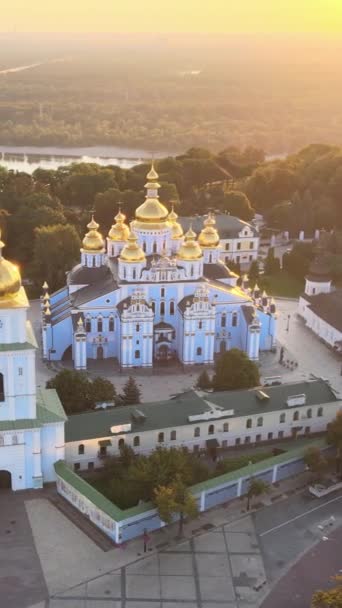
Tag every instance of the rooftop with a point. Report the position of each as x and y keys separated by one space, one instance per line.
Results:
x=176 y=412
x=228 y=226
x=328 y=306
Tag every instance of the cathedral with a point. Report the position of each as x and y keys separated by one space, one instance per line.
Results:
x=151 y=294
x=31 y=419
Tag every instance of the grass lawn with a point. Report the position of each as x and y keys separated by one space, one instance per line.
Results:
x=282 y=284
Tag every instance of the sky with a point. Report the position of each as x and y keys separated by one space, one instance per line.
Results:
x=207 y=16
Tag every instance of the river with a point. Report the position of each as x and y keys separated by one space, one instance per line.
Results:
x=29 y=158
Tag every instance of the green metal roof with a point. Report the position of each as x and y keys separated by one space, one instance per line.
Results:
x=175 y=412
x=20 y=425
x=49 y=407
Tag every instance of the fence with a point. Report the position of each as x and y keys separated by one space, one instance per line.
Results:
x=122 y=525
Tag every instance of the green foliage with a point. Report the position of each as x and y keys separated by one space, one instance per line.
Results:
x=203 y=380
x=131 y=392
x=315 y=462
x=238 y=462
x=175 y=499
x=256 y=488
x=298 y=260
x=334 y=437
x=56 y=249
x=272 y=264
x=234 y=370
x=74 y=390
x=77 y=393
x=329 y=598
x=253 y=273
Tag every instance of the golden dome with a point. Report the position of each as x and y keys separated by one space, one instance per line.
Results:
x=10 y=279
x=190 y=249
x=152 y=210
x=152 y=174
x=132 y=252
x=93 y=240
x=176 y=228
x=209 y=236
x=120 y=230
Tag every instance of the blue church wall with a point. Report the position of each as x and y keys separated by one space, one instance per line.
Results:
x=61 y=339
x=58 y=296
x=267 y=330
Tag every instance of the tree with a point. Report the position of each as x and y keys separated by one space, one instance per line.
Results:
x=253 y=273
x=272 y=264
x=334 y=437
x=131 y=392
x=103 y=390
x=203 y=380
x=238 y=204
x=315 y=461
x=256 y=488
x=175 y=499
x=56 y=249
x=74 y=390
x=297 y=261
x=330 y=598
x=234 y=370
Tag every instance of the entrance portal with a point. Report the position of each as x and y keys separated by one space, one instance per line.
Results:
x=100 y=352
x=5 y=480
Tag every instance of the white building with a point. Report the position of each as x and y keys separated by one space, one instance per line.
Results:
x=321 y=306
x=197 y=420
x=239 y=240
x=31 y=420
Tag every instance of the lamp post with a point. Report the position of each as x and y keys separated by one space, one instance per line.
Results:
x=288 y=323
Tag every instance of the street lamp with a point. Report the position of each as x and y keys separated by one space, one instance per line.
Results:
x=288 y=322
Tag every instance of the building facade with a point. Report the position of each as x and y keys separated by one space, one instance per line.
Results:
x=321 y=306
x=239 y=240
x=198 y=420
x=31 y=420
x=153 y=293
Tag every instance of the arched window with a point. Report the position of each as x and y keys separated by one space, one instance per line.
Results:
x=154 y=249
x=81 y=448
x=210 y=258
x=88 y=326
x=2 y=388
x=320 y=411
x=94 y=262
x=225 y=427
x=14 y=439
x=124 y=272
x=234 y=319
x=137 y=327
x=173 y=435
x=111 y=324
x=211 y=429
x=2 y=440
x=260 y=421
x=296 y=416
x=192 y=270
x=282 y=418
x=160 y=437
x=200 y=324
x=249 y=423
x=99 y=325
x=223 y=321
x=137 y=354
x=162 y=308
x=309 y=413
x=172 y=308
x=162 y=292
x=197 y=431
x=136 y=441
x=154 y=306
x=134 y=274
x=199 y=351
x=144 y=247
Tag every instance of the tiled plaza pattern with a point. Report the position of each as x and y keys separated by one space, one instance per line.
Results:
x=217 y=569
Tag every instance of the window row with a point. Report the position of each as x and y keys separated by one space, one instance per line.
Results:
x=224 y=319
x=99 y=325
x=14 y=440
